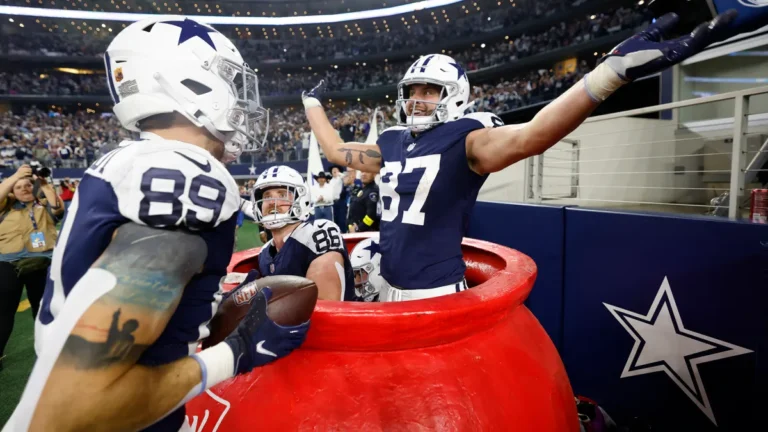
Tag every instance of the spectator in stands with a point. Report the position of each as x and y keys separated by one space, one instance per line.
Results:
x=323 y=196
x=340 y=198
x=27 y=236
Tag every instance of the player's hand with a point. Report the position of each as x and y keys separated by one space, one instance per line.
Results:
x=646 y=53
x=24 y=171
x=258 y=340
x=311 y=98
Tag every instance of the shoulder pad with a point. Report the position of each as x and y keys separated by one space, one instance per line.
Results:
x=319 y=236
x=489 y=120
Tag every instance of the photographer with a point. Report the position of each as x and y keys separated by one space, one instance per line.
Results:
x=27 y=236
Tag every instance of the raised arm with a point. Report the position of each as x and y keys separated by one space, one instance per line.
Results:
x=55 y=203
x=491 y=150
x=364 y=157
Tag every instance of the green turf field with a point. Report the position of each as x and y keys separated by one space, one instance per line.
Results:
x=20 y=353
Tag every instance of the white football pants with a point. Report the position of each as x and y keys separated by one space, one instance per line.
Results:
x=392 y=294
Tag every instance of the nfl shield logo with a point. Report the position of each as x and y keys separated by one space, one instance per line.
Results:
x=272 y=268
x=244 y=295
x=118 y=74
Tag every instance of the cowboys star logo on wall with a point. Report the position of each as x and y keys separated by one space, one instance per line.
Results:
x=663 y=344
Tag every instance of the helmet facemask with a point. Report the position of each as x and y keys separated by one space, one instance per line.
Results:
x=274 y=219
x=439 y=112
x=363 y=286
x=248 y=118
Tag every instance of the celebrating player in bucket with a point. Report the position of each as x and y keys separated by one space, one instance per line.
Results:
x=135 y=274
x=434 y=162
x=300 y=245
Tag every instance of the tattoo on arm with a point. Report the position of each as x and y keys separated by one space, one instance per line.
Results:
x=360 y=153
x=152 y=267
x=119 y=347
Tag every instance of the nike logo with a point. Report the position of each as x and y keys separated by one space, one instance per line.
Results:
x=323 y=224
x=205 y=168
x=261 y=350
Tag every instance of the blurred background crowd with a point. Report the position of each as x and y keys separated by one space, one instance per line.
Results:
x=69 y=136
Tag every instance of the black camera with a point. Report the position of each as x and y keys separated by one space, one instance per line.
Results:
x=39 y=170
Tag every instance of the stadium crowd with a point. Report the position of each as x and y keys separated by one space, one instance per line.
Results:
x=288 y=46
x=361 y=76
x=74 y=140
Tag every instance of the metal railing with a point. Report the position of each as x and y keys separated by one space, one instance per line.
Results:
x=621 y=160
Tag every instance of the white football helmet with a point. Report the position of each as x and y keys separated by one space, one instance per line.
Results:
x=175 y=64
x=440 y=70
x=366 y=266
x=299 y=196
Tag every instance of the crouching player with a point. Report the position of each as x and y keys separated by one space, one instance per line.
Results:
x=300 y=245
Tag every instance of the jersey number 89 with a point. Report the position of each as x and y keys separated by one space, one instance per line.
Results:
x=174 y=198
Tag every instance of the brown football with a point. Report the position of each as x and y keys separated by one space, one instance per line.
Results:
x=293 y=300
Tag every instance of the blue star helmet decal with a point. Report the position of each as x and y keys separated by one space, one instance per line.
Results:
x=460 y=70
x=373 y=248
x=191 y=29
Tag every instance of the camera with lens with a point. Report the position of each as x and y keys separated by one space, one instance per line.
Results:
x=39 y=170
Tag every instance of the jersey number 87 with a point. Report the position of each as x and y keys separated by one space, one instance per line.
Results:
x=201 y=191
x=414 y=215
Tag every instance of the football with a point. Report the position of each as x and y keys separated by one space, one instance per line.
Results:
x=293 y=300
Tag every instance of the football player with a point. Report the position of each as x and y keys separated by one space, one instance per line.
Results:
x=135 y=274
x=434 y=162
x=366 y=264
x=300 y=245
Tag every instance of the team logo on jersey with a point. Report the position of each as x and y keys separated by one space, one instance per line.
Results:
x=118 y=74
x=663 y=344
x=244 y=295
x=411 y=147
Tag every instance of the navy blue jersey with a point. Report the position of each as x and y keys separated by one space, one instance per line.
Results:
x=162 y=184
x=428 y=191
x=307 y=242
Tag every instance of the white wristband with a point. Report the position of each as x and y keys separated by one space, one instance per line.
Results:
x=602 y=82
x=310 y=102
x=217 y=364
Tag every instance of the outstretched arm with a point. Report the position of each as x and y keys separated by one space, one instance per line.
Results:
x=491 y=150
x=364 y=157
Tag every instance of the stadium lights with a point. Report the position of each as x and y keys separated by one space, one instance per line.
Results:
x=228 y=20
